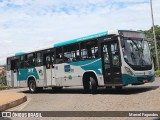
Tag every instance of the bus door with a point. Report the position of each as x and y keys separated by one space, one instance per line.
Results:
x=50 y=71
x=14 y=72
x=111 y=62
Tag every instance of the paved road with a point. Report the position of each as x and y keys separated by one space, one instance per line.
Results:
x=131 y=98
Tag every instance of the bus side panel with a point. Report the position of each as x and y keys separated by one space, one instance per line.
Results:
x=12 y=77
x=94 y=65
x=15 y=81
x=68 y=75
x=9 y=78
x=38 y=73
x=23 y=75
x=41 y=75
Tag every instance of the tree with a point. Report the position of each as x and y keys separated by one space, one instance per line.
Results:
x=149 y=35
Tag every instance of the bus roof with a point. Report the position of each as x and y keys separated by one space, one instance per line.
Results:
x=20 y=53
x=74 y=40
x=80 y=39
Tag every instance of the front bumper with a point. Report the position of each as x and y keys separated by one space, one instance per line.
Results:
x=137 y=79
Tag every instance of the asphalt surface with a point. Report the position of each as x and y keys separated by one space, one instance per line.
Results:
x=131 y=98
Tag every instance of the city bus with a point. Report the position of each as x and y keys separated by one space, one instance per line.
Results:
x=114 y=58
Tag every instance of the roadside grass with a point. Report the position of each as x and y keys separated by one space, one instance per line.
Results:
x=4 y=87
x=157 y=73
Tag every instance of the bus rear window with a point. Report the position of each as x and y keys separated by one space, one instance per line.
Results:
x=8 y=64
x=8 y=61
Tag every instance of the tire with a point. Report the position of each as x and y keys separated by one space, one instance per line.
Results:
x=86 y=84
x=32 y=86
x=93 y=85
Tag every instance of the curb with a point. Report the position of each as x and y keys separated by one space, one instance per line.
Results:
x=13 y=103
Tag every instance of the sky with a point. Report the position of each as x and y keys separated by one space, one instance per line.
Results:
x=26 y=25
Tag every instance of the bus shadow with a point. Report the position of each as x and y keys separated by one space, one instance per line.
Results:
x=130 y=90
x=124 y=91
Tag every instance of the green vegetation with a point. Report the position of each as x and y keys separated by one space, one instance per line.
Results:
x=4 y=87
x=157 y=73
x=149 y=35
x=3 y=81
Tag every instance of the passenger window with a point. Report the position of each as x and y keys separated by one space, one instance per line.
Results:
x=8 y=64
x=21 y=62
x=30 y=60
x=89 y=49
x=48 y=61
x=14 y=64
x=39 y=59
x=71 y=53
x=59 y=58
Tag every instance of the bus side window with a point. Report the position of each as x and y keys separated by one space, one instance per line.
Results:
x=59 y=56
x=89 y=49
x=8 y=64
x=78 y=57
x=71 y=53
x=30 y=60
x=39 y=59
x=14 y=64
x=96 y=52
x=48 y=61
x=21 y=62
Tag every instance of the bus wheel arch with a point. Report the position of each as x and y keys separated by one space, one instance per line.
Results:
x=90 y=81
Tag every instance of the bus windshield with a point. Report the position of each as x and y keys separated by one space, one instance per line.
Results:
x=137 y=52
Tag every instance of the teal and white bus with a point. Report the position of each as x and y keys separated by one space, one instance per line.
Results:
x=113 y=58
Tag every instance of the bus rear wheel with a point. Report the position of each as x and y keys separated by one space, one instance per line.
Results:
x=32 y=86
x=93 y=85
x=90 y=83
x=86 y=86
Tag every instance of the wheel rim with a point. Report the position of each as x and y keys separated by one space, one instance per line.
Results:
x=90 y=85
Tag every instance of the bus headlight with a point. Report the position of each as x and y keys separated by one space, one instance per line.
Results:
x=129 y=71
